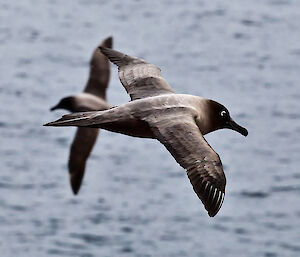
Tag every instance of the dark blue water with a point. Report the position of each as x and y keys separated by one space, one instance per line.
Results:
x=136 y=201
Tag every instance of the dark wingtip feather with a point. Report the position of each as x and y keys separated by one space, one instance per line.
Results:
x=216 y=206
x=108 y=42
x=76 y=181
x=213 y=213
x=75 y=187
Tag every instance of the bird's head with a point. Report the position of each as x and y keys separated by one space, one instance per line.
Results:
x=219 y=118
x=67 y=103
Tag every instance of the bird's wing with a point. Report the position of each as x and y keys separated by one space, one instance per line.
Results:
x=99 y=71
x=140 y=78
x=81 y=148
x=183 y=139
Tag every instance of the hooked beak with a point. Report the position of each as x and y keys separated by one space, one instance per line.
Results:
x=234 y=126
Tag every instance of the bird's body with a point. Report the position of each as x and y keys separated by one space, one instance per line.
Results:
x=178 y=121
x=135 y=117
x=93 y=98
x=83 y=102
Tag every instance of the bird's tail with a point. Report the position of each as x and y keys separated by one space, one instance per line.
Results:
x=80 y=119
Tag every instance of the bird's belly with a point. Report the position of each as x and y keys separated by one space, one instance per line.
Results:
x=134 y=128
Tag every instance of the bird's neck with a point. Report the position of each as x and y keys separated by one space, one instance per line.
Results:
x=203 y=120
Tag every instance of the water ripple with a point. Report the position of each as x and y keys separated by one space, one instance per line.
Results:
x=290 y=188
x=99 y=218
x=292 y=247
x=91 y=238
x=254 y=194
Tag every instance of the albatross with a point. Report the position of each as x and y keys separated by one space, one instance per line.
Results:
x=178 y=121
x=93 y=98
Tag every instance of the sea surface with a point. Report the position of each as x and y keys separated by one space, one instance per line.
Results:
x=135 y=199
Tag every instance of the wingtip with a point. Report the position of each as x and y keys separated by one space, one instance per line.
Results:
x=107 y=42
x=75 y=189
x=75 y=183
x=212 y=214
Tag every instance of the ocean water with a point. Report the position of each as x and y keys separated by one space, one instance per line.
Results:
x=136 y=200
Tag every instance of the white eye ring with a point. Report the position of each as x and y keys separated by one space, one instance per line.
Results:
x=223 y=113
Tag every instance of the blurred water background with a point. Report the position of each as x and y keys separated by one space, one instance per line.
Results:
x=136 y=200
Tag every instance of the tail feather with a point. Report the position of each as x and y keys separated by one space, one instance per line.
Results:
x=80 y=119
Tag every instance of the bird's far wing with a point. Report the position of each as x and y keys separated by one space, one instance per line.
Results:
x=183 y=139
x=140 y=78
x=81 y=148
x=99 y=71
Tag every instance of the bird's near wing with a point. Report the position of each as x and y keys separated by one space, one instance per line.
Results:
x=99 y=71
x=81 y=148
x=140 y=78
x=181 y=136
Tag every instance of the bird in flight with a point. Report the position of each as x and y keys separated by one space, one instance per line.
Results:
x=178 y=121
x=93 y=98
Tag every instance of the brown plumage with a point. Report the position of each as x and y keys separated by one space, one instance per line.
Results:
x=99 y=71
x=178 y=121
x=93 y=98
